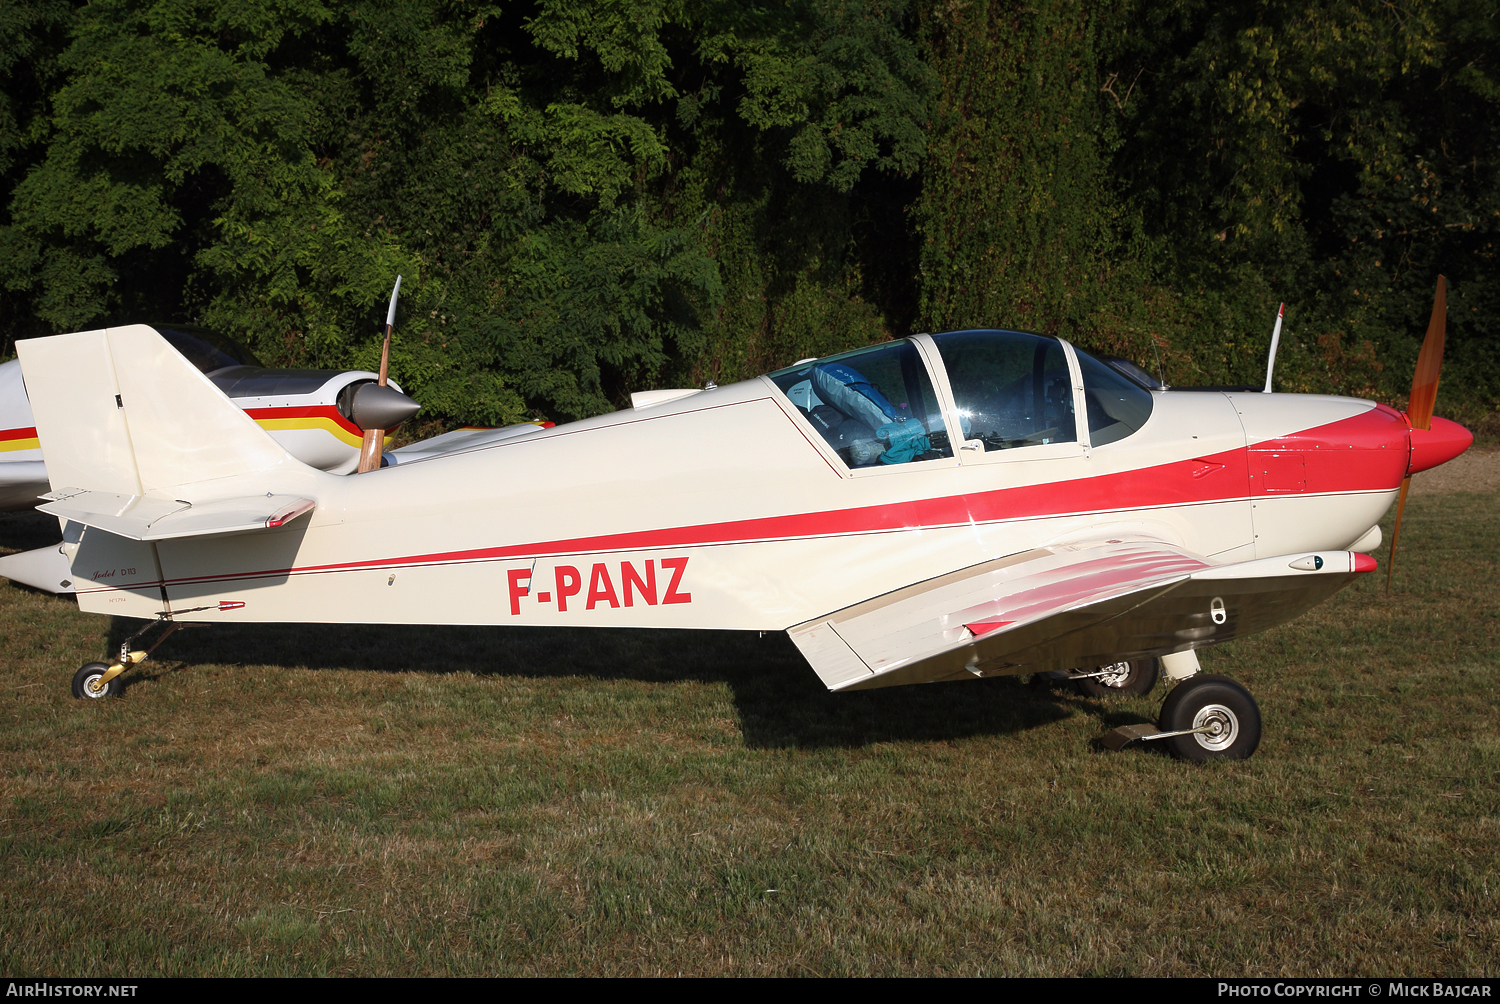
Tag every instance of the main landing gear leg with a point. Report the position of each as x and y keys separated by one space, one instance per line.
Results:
x=98 y=679
x=1205 y=717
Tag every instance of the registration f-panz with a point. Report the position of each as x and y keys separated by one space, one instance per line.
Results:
x=944 y=507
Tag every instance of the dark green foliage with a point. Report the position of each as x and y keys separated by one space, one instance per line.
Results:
x=588 y=199
x=1018 y=213
x=1335 y=155
x=1168 y=173
x=268 y=168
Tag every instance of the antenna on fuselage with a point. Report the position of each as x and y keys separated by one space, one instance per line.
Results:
x=1275 y=341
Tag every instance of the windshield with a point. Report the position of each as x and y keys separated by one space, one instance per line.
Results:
x=1011 y=389
x=1117 y=406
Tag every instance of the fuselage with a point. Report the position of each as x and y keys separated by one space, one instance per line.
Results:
x=730 y=508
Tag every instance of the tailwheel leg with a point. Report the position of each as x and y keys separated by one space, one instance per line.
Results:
x=95 y=680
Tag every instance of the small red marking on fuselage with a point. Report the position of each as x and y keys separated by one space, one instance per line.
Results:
x=985 y=627
x=1209 y=467
x=231 y=604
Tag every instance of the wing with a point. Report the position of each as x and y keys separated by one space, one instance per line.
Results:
x=459 y=440
x=1064 y=607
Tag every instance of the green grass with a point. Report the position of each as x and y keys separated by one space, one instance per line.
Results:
x=305 y=800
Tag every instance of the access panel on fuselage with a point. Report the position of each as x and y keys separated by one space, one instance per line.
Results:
x=1323 y=470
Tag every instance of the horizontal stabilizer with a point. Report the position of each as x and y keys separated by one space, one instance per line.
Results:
x=1062 y=608
x=145 y=518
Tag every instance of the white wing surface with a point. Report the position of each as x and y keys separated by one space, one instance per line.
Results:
x=1064 y=607
x=458 y=441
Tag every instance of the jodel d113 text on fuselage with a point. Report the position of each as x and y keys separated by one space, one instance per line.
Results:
x=944 y=507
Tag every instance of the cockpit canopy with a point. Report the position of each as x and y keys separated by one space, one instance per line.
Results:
x=1008 y=390
x=873 y=406
x=205 y=349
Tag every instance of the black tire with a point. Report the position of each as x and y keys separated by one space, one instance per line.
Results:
x=1210 y=699
x=1134 y=679
x=92 y=671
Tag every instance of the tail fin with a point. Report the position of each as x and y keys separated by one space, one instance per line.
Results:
x=119 y=410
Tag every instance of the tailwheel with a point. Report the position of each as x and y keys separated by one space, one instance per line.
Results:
x=1120 y=679
x=102 y=679
x=89 y=682
x=1210 y=717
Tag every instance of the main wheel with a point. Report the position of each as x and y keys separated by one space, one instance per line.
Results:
x=90 y=672
x=1122 y=679
x=1219 y=706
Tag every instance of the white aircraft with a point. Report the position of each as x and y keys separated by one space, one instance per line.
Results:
x=319 y=416
x=944 y=507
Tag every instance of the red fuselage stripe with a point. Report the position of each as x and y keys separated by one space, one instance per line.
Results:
x=1375 y=464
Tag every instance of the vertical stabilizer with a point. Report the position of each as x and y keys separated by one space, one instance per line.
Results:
x=81 y=428
x=120 y=410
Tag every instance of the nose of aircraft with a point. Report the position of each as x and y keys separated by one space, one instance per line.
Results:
x=377 y=407
x=1438 y=445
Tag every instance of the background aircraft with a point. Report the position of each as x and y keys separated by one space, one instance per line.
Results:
x=319 y=416
x=943 y=507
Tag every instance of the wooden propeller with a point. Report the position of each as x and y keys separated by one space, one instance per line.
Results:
x=1424 y=386
x=369 y=450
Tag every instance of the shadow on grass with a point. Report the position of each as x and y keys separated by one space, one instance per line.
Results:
x=27 y=530
x=779 y=699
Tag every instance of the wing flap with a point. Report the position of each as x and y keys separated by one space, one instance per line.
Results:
x=141 y=517
x=832 y=659
x=1069 y=606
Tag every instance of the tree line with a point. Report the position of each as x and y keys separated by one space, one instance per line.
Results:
x=590 y=197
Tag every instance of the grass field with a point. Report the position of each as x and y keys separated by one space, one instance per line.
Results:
x=307 y=800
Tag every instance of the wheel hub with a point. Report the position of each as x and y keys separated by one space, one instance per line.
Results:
x=1114 y=675
x=1215 y=727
